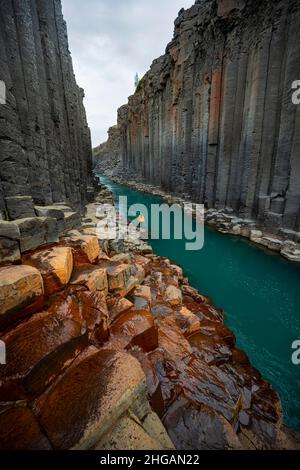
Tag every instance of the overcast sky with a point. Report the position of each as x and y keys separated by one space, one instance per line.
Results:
x=111 y=40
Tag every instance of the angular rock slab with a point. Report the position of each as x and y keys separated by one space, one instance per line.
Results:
x=118 y=276
x=9 y=250
x=198 y=427
x=85 y=247
x=19 y=430
x=54 y=212
x=37 y=351
x=37 y=231
x=131 y=434
x=20 y=207
x=55 y=264
x=117 y=306
x=9 y=230
x=21 y=290
x=85 y=307
x=9 y=244
x=135 y=328
x=93 y=277
x=141 y=296
x=173 y=296
x=78 y=410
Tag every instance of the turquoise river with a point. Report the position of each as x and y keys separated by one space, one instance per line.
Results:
x=258 y=291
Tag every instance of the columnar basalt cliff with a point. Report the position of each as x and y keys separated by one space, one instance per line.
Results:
x=214 y=116
x=45 y=147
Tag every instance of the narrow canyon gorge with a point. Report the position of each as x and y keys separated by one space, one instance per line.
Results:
x=214 y=117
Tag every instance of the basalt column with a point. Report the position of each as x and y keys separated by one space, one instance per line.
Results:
x=45 y=147
x=214 y=116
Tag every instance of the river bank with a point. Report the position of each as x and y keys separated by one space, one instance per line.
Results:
x=286 y=243
x=257 y=290
x=135 y=322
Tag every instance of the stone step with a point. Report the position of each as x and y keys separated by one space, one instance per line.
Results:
x=36 y=231
x=9 y=242
x=72 y=220
x=19 y=207
x=55 y=264
x=92 y=277
x=85 y=247
x=21 y=292
x=54 y=212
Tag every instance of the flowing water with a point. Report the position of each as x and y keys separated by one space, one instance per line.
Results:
x=258 y=291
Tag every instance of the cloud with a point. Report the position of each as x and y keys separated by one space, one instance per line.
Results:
x=111 y=40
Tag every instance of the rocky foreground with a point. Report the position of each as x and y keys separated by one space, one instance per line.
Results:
x=114 y=350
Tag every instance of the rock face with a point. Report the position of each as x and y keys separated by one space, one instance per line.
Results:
x=214 y=118
x=45 y=148
x=107 y=155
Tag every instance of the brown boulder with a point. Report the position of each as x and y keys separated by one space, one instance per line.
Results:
x=55 y=264
x=80 y=408
x=37 y=350
x=173 y=296
x=135 y=328
x=85 y=247
x=93 y=277
x=117 y=306
x=21 y=292
x=118 y=276
x=19 y=430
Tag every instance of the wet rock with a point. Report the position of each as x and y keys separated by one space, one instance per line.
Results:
x=77 y=416
x=121 y=258
x=217 y=331
x=173 y=296
x=93 y=277
x=141 y=297
x=37 y=351
x=56 y=266
x=87 y=308
x=271 y=243
x=188 y=322
x=21 y=291
x=85 y=248
x=19 y=430
x=117 y=306
x=37 y=231
x=291 y=251
x=118 y=276
x=135 y=328
x=191 y=427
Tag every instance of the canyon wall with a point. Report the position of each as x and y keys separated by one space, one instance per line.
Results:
x=45 y=147
x=214 y=116
x=107 y=155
